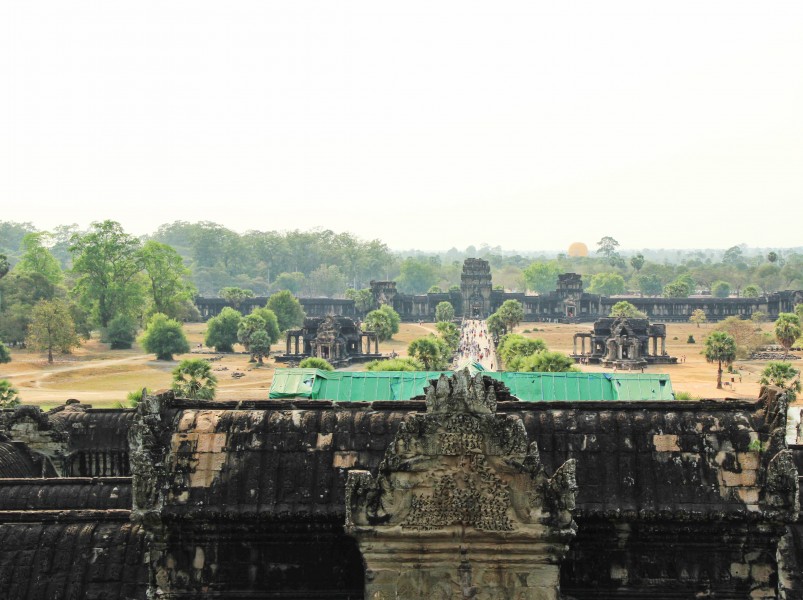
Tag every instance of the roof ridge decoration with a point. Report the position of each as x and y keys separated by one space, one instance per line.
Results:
x=461 y=502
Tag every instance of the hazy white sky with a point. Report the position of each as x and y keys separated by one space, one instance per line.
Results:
x=427 y=124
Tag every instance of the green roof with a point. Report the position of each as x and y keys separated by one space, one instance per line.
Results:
x=345 y=386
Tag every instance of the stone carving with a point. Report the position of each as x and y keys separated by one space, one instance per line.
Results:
x=461 y=506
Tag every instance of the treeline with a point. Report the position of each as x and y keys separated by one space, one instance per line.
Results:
x=326 y=263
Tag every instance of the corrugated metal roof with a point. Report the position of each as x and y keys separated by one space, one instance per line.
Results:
x=344 y=386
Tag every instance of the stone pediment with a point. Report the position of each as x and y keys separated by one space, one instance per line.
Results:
x=460 y=480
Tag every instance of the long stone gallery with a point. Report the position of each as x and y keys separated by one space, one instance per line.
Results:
x=464 y=491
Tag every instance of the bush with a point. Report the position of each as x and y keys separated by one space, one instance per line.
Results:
x=8 y=394
x=164 y=337
x=193 y=378
x=395 y=364
x=5 y=354
x=134 y=398
x=685 y=396
x=221 y=332
x=121 y=332
x=690 y=340
x=513 y=346
x=545 y=362
x=313 y=362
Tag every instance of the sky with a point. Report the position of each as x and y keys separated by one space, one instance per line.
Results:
x=528 y=125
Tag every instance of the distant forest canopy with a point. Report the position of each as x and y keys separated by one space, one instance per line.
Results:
x=325 y=263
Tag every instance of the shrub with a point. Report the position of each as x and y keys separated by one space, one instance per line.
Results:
x=164 y=337
x=313 y=362
x=685 y=396
x=8 y=394
x=121 y=332
x=395 y=364
x=134 y=398
x=221 y=332
x=5 y=354
x=690 y=340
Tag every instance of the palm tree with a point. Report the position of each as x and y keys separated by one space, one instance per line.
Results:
x=782 y=375
x=787 y=330
x=720 y=347
x=547 y=362
x=193 y=378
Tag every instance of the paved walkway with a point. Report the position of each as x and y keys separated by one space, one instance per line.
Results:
x=476 y=345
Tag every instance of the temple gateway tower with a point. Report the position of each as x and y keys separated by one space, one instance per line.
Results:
x=475 y=285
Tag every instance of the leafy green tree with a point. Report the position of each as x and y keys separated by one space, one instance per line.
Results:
x=607 y=246
x=393 y=318
x=435 y=289
x=782 y=375
x=514 y=346
x=495 y=325
x=546 y=362
x=607 y=284
x=5 y=354
x=107 y=263
x=292 y=282
x=247 y=327
x=164 y=337
x=235 y=296
x=512 y=313
x=787 y=330
x=444 y=311
x=327 y=281
x=625 y=309
x=4 y=265
x=637 y=261
x=721 y=289
x=379 y=322
x=313 y=362
x=169 y=287
x=271 y=323
x=52 y=328
x=121 y=332
x=363 y=299
x=450 y=334
x=8 y=394
x=768 y=276
x=751 y=291
x=259 y=345
x=193 y=378
x=416 y=276
x=221 y=331
x=698 y=316
x=38 y=259
x=733 y=256
x=677 y=289
x=720 y=347
x=649 y=285
x=541 y=277
x=287 y=309
x=430 y=351
x=395 y=364
x=772 y=257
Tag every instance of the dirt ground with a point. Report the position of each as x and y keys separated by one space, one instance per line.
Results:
x=101 y=377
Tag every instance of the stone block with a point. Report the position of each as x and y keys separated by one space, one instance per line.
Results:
x=665 y=443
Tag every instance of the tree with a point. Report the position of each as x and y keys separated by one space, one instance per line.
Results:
x=514 y=346
x=271 y=323
x=193 y=379
x=444 y=311
x=4 y=265
x=287 y=309
x=746 y=334
x=607 y=247
x=782 y=375
x=772 y=257
x=787 y=330
x=38 y=259
x=751 y=291
x=512 y=313
x=235 y=296
x=327 y=281
x=5 y=354
x=677 y=289
x=52 y=328
x=546 y=362
x=430 y=351
x=395 y=364
x=541 y=277
x=435 y=289
x=379 y=321
x=637 y=262
x=363 y=299
x=698 y=316
x=247 y=327
x=416 y=276
x=221 y=331
x=259 y=346
x=107 y=263
x=625 y=309
x=168 y=279
x=292 y=282
x=607 y=284
x=449 y=333
x=721 y=289
x=8 y=394
x=768 y=276
x=720 y=348
x=496 y=327
x=313 y=362
x=649 y=285
x=733 y=256
x=164 y=337
x=121 y=332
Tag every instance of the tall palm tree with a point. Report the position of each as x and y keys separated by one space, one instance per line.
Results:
x=193 y=378
x=787 y=330
x=720 y=347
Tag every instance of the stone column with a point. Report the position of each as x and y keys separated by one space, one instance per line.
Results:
x=296 y=343
x=663 y=346
x=288 y=344
x=574 y=344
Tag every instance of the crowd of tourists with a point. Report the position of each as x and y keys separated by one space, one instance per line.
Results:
x=476 y=345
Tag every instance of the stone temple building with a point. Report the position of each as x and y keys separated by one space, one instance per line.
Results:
x=339 y=340
x=465 y=492
x=623 y=343
x=567 y=304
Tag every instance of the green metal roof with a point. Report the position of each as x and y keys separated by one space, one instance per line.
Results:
x=345 y=386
